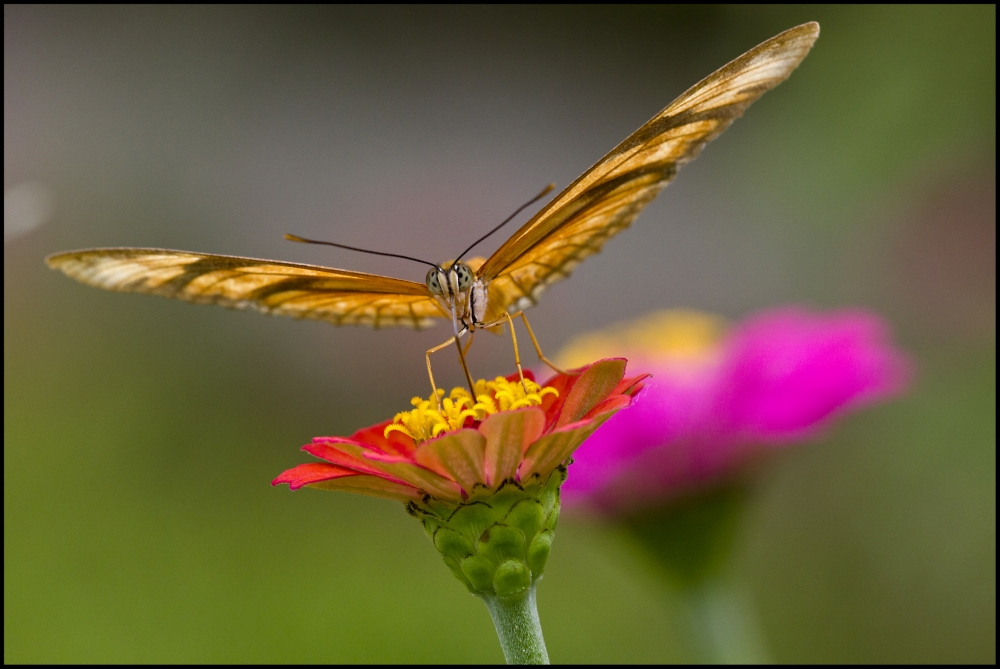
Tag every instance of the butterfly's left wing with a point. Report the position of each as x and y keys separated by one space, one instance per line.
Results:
x=337 y=296
x=608 y=197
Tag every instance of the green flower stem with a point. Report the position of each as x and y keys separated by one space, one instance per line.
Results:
x=692 y=541
x=721 y=626
x=520 y=632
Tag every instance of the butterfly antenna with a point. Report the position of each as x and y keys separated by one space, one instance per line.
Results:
x=507 y=220
x=303 y=240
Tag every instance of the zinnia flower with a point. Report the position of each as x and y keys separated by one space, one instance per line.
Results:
x=482 y=473
x=719 y=398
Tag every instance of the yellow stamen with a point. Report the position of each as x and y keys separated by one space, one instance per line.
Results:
x=425 y=421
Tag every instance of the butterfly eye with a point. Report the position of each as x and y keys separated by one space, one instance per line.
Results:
x=433 y=282
x=464 y=275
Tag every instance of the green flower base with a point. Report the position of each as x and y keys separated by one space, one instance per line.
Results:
x=497 y=541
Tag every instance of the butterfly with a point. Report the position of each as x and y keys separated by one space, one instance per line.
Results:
x=476 y=293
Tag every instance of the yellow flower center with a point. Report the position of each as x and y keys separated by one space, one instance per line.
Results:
x=425 y=421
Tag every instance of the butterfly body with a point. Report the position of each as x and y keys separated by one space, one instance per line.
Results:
x=476 y=293
x=466 y=298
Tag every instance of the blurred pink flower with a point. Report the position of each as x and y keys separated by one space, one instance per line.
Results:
x=718 y=399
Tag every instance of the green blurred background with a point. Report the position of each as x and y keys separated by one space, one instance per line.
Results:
x=140 y=435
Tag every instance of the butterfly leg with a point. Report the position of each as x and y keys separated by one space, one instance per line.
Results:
x=436 y=395
x=534 y=342
x=517 y=355
x=472 y=336
x=513 y=339
x=465 y=367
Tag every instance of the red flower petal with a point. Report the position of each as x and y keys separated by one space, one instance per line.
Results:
x=630 y=386
x=394 y=469
x=613 y=403
x=552 y=404
x=458 y=456
x=372 y=486
x=528 y=374
x=508 y=434
x=500 y=447
x=374 y=437
x=590 y=388
x=311 y=472
x=407 y=472
x=332 y=450
x=552 y=449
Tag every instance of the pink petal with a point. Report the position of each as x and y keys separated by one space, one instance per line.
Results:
x=667 y=410
x=779 y=376
x=789 y=371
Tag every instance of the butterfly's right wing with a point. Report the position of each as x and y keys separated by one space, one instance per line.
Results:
x=608 y=197
x=337 y=296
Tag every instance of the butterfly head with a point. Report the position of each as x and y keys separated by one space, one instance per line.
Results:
x=450 y=280
x=457 y=289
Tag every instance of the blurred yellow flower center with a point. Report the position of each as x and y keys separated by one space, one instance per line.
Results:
x=678 y=335
x=425 y=421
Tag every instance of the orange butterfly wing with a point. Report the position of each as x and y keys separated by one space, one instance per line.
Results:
x=598 y=205
x=337 y=296
x=609 y=196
